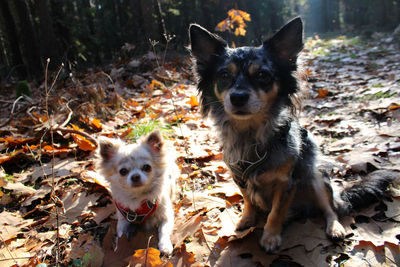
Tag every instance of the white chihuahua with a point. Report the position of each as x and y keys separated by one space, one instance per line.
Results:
x=142 y=184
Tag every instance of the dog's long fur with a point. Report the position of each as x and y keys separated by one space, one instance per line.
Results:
x=156 y=183
x=248 y=91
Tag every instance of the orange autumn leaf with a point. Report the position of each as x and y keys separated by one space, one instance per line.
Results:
x=193 y=102
x=244 y=15
x=394 y=107
x=96 y=124
x=235 y=198
x=222 y=26
x=322 y=93
x=12 y=142
x=81 y=141
x=148 y=257
x=308 y=72
x=234 y=22
x=126 y=132
x=132 y=103
x=240 y=31
x=56 y=150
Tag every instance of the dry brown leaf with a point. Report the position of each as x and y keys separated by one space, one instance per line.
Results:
x=183 y=258
x=15 y=254
x=393 y=209
x=20 y=189
x=377 y=233
x=102 y=213
x=11 y=224
x=186 y=227
x=87 y=249
x=366 y=254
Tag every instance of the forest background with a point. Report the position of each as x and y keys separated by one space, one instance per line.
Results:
x=86 y=33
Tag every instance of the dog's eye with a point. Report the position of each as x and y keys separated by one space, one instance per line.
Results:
x=123 y=171
x=224 y=74
x=146 y=168
x=263 y=76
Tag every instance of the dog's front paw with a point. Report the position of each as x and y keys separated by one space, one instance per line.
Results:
x=335 y=230
x=270 y=242
x=245 y=223
x=122 y=228
x=165 y=246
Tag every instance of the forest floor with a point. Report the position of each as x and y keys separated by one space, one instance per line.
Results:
x=49 y=186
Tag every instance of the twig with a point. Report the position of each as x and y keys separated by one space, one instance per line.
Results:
x=153 y=44
x=69 y=116
x=55 y=78
x=15 y=102
x=147 y=250
x=52 y=195
x=30 y=115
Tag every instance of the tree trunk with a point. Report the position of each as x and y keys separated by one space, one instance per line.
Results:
x=49 y=46
x=9 y=30
x=136 y=6
x=27 y=37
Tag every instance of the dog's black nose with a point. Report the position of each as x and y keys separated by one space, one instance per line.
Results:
x=239 y=98
x=135 y=178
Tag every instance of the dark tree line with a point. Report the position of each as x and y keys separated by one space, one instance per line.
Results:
x=84 y=33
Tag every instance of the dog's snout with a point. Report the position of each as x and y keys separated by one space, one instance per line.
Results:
x=239 y=98
x=135 y=178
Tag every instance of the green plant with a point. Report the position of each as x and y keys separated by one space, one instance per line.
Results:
x=144 y=128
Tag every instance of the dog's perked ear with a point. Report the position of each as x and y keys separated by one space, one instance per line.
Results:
x=204 y=44
x=108 y=147
x=288 y=41
x=154 y=141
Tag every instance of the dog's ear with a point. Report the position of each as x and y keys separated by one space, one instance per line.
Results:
x=288 y=41
x=154 y=141
x=108 y=147
x=204 y=44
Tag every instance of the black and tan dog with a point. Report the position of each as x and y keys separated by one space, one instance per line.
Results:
x=249 y=93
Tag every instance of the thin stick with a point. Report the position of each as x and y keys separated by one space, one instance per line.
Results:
x=15 y=102
x=53 y=158
x=147 y=250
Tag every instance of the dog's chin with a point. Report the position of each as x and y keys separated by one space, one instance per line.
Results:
x=240 y=114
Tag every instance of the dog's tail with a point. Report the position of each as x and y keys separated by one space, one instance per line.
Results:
x=360 y=194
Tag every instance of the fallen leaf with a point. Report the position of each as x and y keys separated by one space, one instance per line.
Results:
x=322 y=93
x=148 y=257
x=193 y=102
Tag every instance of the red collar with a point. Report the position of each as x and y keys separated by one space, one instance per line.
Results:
x=141 y=214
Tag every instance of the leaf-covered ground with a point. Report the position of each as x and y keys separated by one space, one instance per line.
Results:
x=55 y=208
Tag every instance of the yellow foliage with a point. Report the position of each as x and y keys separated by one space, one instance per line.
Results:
x=234 y=22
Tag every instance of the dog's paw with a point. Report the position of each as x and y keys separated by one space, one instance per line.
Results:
x=122 y=228
x=335 y=230
x=245 y=223
x=270 y=242
x=165 y=246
